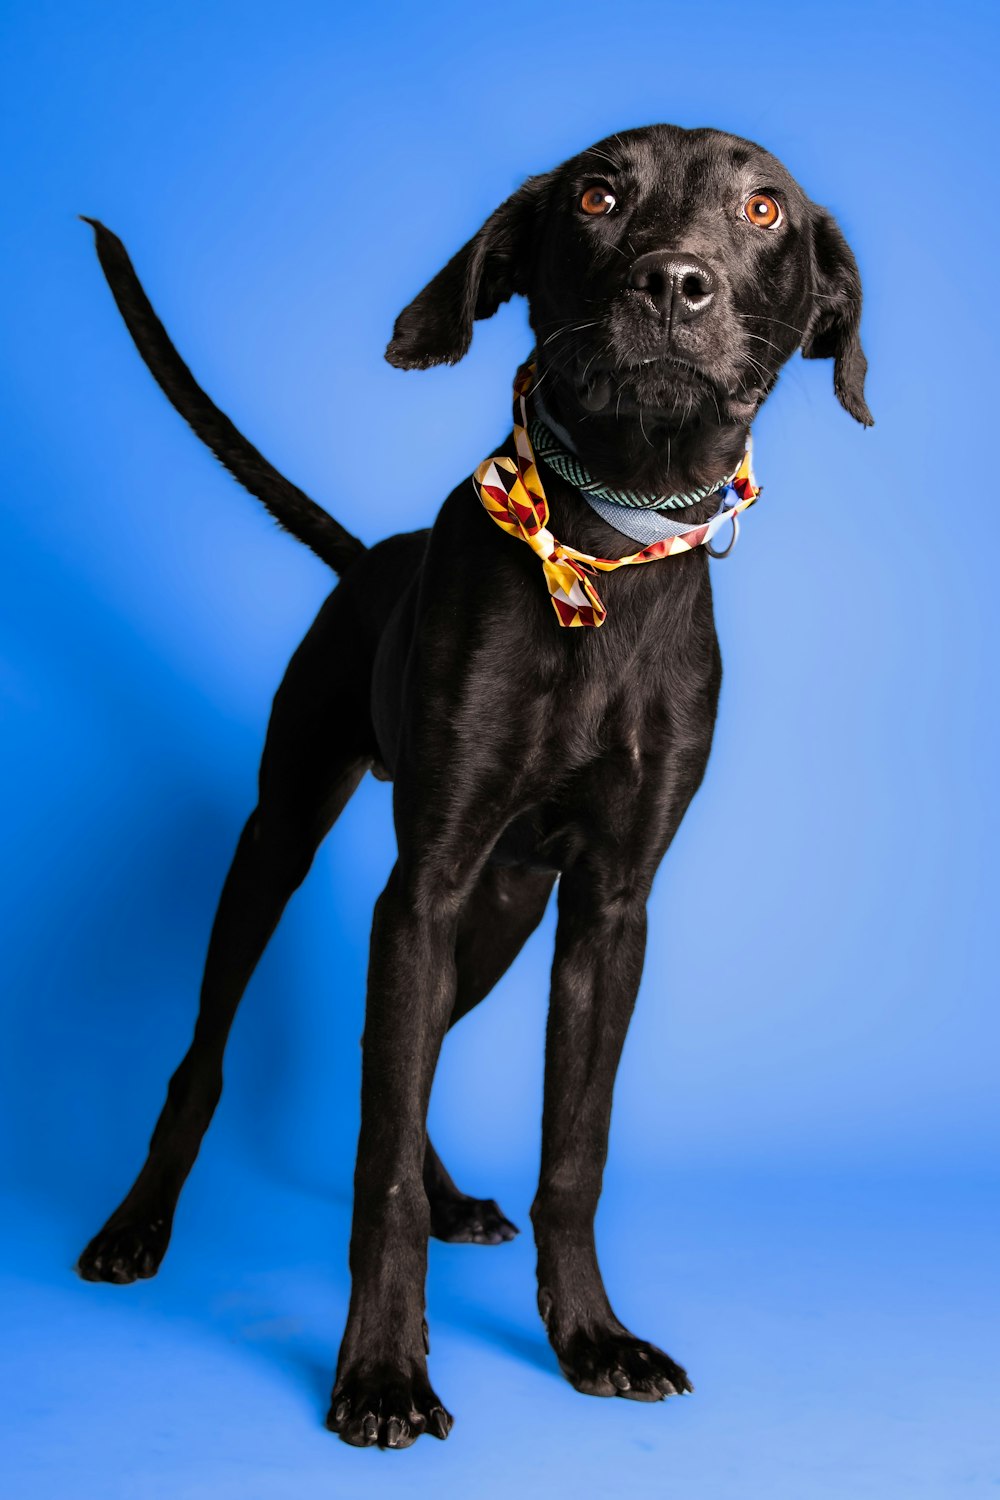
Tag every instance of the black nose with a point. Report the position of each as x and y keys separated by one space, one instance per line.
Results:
x=679 y=284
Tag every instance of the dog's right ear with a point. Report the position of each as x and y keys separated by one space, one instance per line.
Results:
x=436 y=328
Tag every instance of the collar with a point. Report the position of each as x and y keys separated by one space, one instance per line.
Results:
x=636 y=514
x=554 y=446
x=513 y=496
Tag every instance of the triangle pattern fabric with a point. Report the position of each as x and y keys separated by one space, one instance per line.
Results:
x=514 y=497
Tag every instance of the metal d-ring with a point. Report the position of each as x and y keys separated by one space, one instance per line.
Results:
x=736 y=531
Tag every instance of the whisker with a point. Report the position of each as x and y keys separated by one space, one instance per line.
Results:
x=761 y=371
x=603 y=156
x=759 y=338
x=570 y=328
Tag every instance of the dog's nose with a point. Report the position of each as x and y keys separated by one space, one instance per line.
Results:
x=679 y=284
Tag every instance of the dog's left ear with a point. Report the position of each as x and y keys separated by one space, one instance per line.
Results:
x=832 y=329
x=436 y=328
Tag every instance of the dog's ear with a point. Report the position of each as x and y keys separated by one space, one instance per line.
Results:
x=832 y=329
x=436 y=328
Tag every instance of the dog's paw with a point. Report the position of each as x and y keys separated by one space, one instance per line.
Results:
x=385 y=1407
x=470 y=1221
x=130 y=1250
x=614 y=1363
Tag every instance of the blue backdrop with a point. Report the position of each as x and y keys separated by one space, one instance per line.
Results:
x=800 y=1197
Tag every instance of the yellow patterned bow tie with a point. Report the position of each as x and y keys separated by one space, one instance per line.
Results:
x=514 y=497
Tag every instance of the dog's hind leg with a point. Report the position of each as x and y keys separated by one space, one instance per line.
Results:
x=505 y=907
x=318 y=748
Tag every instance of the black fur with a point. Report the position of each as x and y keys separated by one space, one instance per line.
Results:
x=520 y=752
x=286 y=502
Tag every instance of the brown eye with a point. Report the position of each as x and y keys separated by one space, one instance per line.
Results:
x=597 y=200
x=762 y=211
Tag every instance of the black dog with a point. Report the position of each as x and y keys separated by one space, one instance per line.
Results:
x=669 y=275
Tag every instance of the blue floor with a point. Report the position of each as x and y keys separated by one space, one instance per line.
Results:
x=841 y=1333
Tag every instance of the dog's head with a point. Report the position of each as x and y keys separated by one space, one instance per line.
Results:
x=669 y=275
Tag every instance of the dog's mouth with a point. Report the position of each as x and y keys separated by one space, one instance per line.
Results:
x=631 y=385
x=666 y=385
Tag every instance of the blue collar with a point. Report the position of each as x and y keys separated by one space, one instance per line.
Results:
x=638 y=516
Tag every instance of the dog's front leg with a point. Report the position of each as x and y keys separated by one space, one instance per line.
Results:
x=600 y=944
x=382 y=1393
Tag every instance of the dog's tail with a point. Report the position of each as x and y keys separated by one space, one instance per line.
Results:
x=290 y=507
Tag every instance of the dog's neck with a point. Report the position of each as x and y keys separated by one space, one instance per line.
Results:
x=574 y=521
x=652 y=453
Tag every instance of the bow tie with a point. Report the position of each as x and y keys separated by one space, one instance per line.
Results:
x=514 y=497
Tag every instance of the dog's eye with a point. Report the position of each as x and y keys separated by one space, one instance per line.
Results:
x=763 y=211
x=597 y=200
